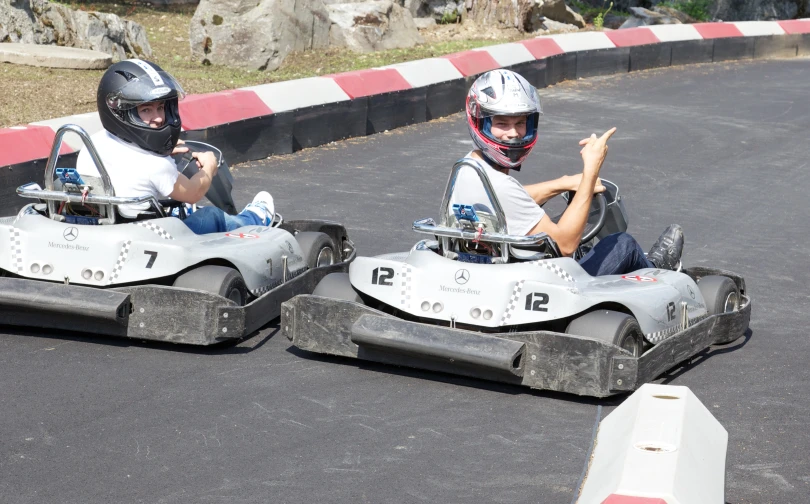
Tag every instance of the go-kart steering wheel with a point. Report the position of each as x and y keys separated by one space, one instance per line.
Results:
x=597 y=215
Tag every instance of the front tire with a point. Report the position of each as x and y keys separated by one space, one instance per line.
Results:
x=318 y=248
x=616 y=328
x=721 y=295
x=337 y=286
x=221 y=280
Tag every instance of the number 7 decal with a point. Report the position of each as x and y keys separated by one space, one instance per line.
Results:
x=152 y=257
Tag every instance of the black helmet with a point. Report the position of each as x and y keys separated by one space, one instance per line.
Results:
x=129 y=83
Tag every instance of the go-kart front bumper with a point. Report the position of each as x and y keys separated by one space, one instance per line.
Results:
x=537 y=359
x=149 y=312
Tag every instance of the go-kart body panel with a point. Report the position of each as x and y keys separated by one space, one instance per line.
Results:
x=427 y=285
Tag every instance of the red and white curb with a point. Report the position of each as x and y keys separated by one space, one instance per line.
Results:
x=32 y=142
x=660 y=446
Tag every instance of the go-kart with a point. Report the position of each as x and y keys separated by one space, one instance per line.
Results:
x=72 y=262
x=479 y=302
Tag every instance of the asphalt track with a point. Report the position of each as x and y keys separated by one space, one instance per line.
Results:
x=720 y=149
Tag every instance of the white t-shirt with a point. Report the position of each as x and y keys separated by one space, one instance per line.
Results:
x=521 y=211
x=133 y=171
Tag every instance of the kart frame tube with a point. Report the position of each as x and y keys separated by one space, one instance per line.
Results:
x=536 y=359
x=159 y=312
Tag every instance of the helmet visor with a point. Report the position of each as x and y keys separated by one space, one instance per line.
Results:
x=159 y=86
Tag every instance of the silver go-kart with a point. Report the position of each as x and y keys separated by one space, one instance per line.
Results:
x=71 y=262
x=477 y=301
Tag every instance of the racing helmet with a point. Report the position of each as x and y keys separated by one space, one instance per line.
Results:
x=129 y=83
x=502 y=93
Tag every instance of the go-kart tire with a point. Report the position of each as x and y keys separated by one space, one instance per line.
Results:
x=319 y=250
x=721 y=295
x=337 y=286
x=221 y=280
x=612 y=327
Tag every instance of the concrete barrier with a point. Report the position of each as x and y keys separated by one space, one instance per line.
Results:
x=660 y=446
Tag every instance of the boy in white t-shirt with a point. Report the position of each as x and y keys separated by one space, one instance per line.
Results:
x=138 y=107
x=503 y=112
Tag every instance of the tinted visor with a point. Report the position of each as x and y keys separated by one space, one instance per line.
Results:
x=158 y=86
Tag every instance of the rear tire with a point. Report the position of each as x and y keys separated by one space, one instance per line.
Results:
x=319 y=250
x=337 y=286
x=721 y=295
x=612 y=327
x=221 y=280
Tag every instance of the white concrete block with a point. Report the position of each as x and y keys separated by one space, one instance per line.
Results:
x=660 y=443
x=508 y=54
x=759 y=28
x=299 y=93
x=675 y=32
x=582 y=41
x=427 y=71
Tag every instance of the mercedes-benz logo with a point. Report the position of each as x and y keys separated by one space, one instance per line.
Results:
x=691 y=292
x=462 y=276
x=71 y=234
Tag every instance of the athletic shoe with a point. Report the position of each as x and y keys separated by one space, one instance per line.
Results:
x=667 y=250
x=263 y=207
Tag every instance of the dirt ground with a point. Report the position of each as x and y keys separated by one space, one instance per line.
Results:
x=32 y=94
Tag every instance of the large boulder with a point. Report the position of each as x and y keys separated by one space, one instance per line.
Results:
x=646 y=17
x=525 y=15
x=43 y=22
x=371 y=26
x=256 y=34
x=746 y=10
x=440 y=10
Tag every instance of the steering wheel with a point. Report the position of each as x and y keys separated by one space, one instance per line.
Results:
x=219 y=194
x=597 y=215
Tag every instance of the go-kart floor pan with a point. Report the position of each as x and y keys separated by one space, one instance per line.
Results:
x=537 y=359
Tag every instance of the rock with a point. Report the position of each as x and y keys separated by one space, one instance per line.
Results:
x=371 y=26
x=525 y=15
x=766 y=10
x=52 y=56
x=614 y=21
x=439 y=10
x=256 y=34
x=674 y=13
x=645 y=17
x=42 y=22
x=424 y=23
x=556 y=27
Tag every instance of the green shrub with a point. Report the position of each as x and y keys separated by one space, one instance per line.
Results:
x=698 y=9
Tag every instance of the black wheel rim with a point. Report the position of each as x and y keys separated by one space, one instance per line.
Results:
x=631 y=343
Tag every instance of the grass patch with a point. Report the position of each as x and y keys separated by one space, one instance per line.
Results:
x=34 y=94
x=698 y=9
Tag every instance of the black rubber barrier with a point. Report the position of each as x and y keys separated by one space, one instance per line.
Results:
x=650 y=56
x=533 y=71
x=776 y=46
x=737 y=48
x=445 y=98
x=393 y=110
x=804 y=45
x=253 y=138
x=603 y=62
x=687 y=52
x=561 y=67
x=315 y=125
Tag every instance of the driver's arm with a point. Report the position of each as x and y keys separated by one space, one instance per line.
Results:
x=192 y=190
x=568 y=231
x=544 y=191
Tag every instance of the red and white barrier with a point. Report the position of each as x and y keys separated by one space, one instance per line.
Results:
x=660 y=446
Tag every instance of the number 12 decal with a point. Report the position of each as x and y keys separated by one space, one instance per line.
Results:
x=382 y=276
x=535 y=301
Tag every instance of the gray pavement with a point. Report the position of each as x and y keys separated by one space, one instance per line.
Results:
x=720 y=149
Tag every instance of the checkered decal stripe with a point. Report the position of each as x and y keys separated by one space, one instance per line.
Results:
x=122 y=259
x=660 y=336
x=513 y=302
x=554 y=269
x=16 y=250
x=405 y=294
x=155 y=229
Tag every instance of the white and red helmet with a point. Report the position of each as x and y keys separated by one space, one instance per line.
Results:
x=502 y=93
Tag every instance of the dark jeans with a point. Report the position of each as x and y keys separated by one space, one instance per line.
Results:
x=211 y=219
x=617 y=254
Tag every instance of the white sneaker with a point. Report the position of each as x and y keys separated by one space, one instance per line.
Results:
x=263 y=207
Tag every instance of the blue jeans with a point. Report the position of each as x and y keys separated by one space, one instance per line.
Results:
x=617 y=254
x=211 y=219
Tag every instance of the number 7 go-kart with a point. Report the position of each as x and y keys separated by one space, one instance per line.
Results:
x=476 y=301
x=71 y=262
